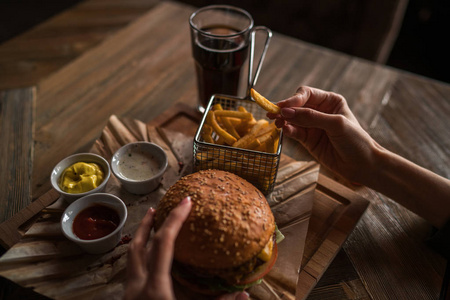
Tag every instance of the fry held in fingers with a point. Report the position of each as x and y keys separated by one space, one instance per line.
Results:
x=264 y=103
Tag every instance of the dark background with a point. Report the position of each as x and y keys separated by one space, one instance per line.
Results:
x=422 y=45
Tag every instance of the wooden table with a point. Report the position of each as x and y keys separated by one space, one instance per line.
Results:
x=145 y=68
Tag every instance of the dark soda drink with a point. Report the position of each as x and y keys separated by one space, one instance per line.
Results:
x=219 y=61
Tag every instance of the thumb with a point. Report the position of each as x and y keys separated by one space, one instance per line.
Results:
x=310 y=118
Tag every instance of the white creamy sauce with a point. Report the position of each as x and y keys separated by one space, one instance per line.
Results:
x=138 y=165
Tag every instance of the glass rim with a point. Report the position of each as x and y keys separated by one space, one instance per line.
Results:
x=222 y=7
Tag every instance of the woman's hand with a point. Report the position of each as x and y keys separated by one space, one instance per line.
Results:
x=325 y=125
x=149 y=264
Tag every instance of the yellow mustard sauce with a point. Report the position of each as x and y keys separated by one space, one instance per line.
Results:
x=81 y=177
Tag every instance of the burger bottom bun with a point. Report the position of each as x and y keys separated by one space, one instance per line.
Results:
x=192 y=287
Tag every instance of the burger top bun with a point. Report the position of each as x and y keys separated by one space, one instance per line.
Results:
x=230 y=221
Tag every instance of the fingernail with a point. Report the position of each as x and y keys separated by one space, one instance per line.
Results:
x=242 y=296
x=151 y=211
x=185 y=200
x=288 y=112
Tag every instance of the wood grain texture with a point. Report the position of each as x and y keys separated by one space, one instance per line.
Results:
x=138 y=77
x=413 y=121
x=16 y=150
x=315 y=221
x=34 y=55
x=130 y=74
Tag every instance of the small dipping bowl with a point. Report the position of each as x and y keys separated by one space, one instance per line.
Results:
x=139 y=166
x=102 y=244
x=70 y=160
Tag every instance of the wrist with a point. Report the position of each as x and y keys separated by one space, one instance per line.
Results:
x=409 y=185
x=380 y=163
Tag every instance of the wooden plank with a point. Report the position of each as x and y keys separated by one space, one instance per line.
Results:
x=12 y=230
x=335 y=214
x=413 y=121
x=27 y=59
x=16 y=149
x=140 y=79
x=129 y=75
x=336 y=208
x=44 y=243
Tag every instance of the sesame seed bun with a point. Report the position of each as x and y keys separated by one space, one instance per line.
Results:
x=230 y=220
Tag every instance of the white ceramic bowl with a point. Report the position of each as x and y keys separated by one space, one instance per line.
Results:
x=70 y=160
x=103 y=244
x=142 y=185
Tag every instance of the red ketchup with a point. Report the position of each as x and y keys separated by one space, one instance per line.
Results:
x=95 y=222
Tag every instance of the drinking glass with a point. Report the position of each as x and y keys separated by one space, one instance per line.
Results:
x=223 y=39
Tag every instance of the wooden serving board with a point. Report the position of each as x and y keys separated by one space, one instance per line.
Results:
x=315 y=213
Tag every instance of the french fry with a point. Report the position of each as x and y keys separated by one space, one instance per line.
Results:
x=217 y=106
x=249 y=137
x=220 y=141
x=273 y=146
x=255 y=144
x=207 y=134
x=263 y=139
x=211 y=120
x=225 y=121
x=246 y=124
x=262 y=131
x=268 y=141
x=206 y=155
x=235 y=121
x=233 y=114
x=241 y=130
x=264 y=103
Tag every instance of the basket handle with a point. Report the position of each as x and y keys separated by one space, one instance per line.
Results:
x=252 y=79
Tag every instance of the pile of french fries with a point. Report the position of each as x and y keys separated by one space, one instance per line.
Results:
x=239 y=129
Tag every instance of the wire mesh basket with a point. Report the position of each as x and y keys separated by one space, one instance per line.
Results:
x=257 y=167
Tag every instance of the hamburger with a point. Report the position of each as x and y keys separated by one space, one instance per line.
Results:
x=228 y=242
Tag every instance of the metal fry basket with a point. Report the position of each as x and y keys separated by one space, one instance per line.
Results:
x=259 y=168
